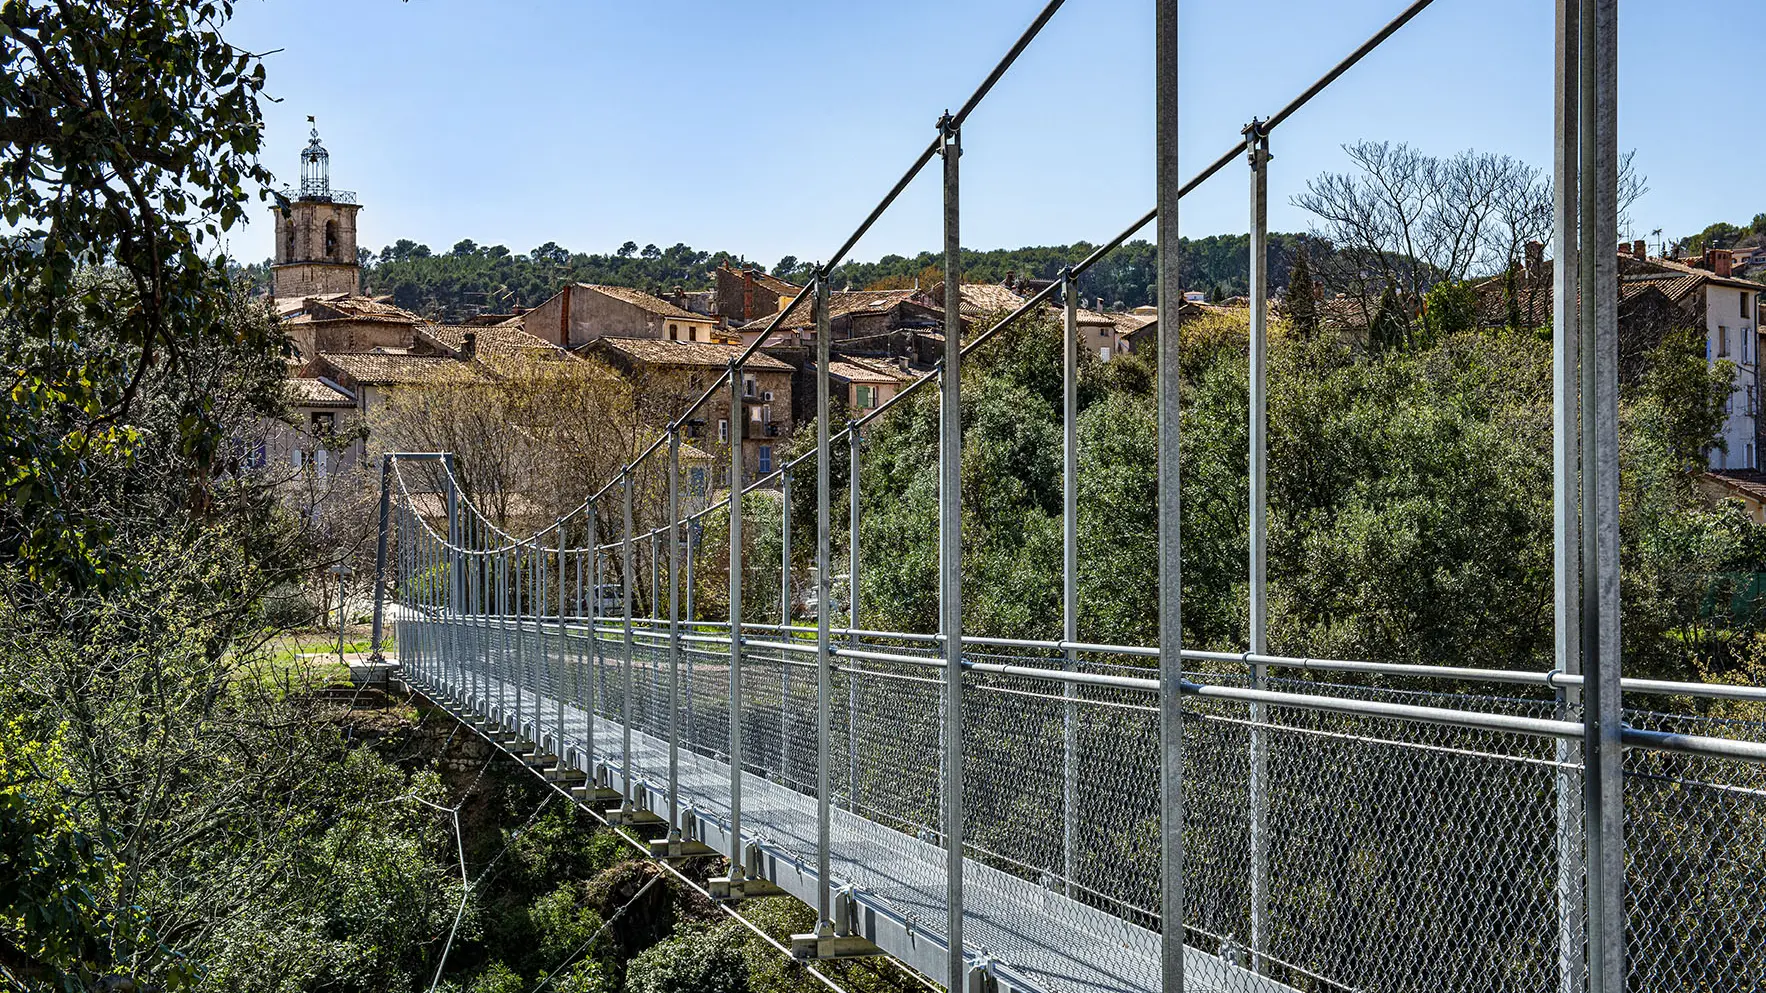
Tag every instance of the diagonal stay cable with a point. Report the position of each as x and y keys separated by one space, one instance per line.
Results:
x=580 y=949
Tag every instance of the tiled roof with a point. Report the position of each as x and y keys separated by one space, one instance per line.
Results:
x=646 y=302
x=859 y=371
x=986 y=298
x=840 y=303
x=1128 y=322
x=308 y=391
x=384 y=369
x=661 y=351
x=342 y=307
x=771 y=282
x=489 y=338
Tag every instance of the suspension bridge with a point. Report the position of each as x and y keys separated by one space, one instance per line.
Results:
x=1024 y=815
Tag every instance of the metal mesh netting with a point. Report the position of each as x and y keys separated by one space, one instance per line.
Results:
x=1323 y=851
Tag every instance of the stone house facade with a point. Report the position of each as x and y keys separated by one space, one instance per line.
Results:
x=583 y=312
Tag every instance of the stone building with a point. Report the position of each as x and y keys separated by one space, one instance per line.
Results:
x=583 y=312
x=667 y=376
x=315 y=232
x=748 y=293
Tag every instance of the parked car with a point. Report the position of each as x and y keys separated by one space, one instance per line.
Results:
x=609 y=600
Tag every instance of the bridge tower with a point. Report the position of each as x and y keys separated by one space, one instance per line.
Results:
x=315 y=232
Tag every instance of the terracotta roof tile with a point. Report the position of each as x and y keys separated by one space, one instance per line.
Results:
x=661 y=351
x=310 y=391
x=644 y=301
x=489 y=338
x=384 y=369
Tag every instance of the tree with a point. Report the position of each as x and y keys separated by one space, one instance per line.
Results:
x=1300 y=299
x=130 y=134
x=1387 y=329
x=526 y=431
x=465 y=246
x=651 y=252
x=628 y=250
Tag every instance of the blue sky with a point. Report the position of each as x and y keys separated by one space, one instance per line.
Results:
x=769 y=127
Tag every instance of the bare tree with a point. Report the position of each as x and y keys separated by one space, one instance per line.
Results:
x=530 y=435
x=1406 y=220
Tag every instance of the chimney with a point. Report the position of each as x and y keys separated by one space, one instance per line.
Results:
x=469 y=346
x=1639 y=249
x=1011 y=279
x=1722 y=261
x=1624 y=248
x=1535 y=257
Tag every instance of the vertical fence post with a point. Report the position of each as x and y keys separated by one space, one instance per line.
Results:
x=950 y=540
x=674 y=634
x=452 y=561
x=785 y=549
x=557 y=679
x=1257 y=141
x=1170 y=290
x=738 y=426
x=594 y=540
x=626 y=663
x=374 y=653
x=824 y=589
x=1603 y=758
x=692 y=556
x=854 y=442
x=785 y=621
x=1069 y=573
x=1566 y=427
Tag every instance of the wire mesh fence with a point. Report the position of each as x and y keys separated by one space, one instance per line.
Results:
x=1323 y=851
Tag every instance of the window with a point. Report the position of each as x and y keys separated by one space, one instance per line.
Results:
x=1744 y=305
x=1750 y=464
x=288 y=241
x=766 y=459
x=1753 y=402
x=1722 y=341
x=1747 y=349
x=866 y=397
x=324 y=424
x=748 y=386
x=696 y=481
x=674 y=332
x=1729 y=404
x=330 y=239
x=1104 y=354
x=723 y=430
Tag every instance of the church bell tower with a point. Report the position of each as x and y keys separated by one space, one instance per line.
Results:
x=315 y=232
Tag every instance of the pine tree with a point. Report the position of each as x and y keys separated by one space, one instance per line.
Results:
x=1386 y=333
x=1301 y=300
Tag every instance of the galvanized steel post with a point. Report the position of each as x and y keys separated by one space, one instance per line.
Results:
x=626 y=663
x=452 y=562
x=854 y=441
x=1603 y=756
x=824 y=588
x=1069 y=573
x=674 y=634
x=594 y=640
x=1170 y=290
x=738 y=426
x=557 y=681
x=950 y=542
x=785 y=547
x=380 y=558
x=1257 y=141
x=1566 y=428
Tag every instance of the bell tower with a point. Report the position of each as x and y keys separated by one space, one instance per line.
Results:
x=315 y=232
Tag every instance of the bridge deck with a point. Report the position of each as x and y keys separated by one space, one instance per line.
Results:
x=1028 y=936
